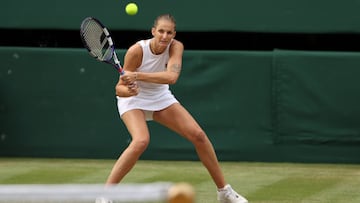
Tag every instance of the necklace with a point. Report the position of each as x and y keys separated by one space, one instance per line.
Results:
x=153 y=48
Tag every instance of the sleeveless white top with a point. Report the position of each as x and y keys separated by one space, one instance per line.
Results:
x=152 y=96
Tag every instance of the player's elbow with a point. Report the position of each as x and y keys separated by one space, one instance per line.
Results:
x=119 y=91
x=173 y=79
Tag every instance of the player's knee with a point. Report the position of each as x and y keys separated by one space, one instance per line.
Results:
x=198 y=137
x=139 y=146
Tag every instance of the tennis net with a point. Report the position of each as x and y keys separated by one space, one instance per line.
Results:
x=84 y=193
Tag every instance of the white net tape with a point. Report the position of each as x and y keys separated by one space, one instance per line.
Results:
x=149 y=192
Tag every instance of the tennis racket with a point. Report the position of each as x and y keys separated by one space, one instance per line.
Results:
x=97 y=40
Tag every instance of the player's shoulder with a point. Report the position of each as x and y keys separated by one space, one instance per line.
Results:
x=135 y=49
x=177 y=44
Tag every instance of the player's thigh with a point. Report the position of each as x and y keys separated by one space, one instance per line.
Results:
x=136 y=124
x=178 y=119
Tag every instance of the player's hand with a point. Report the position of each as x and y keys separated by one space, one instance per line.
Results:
x=133 y=89
x=129 y=77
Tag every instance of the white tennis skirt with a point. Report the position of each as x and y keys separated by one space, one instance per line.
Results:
x=148 y=102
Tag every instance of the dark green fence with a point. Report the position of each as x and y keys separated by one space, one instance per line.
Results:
x=255 y=106
x=317 y=96
x=305 y=16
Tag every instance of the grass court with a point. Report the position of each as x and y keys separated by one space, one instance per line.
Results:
x=259 y=182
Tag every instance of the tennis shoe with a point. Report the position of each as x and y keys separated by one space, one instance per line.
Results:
x=228 y=195
x=103 y=200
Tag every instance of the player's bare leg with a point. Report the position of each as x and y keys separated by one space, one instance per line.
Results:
x=137 y=127
x=178 y=119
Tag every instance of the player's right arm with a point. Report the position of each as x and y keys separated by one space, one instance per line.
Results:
x=132 y=61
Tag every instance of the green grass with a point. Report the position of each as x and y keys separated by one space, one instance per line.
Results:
x=259 y=182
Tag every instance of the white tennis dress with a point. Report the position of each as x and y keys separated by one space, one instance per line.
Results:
x=152 y=97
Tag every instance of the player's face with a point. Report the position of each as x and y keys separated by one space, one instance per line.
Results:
x=164 y=32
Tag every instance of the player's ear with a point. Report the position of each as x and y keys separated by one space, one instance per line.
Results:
x=153 y=31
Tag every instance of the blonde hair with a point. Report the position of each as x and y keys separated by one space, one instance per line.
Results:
x=168 y=17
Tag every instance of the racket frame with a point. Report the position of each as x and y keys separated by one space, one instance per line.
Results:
x=115 y=62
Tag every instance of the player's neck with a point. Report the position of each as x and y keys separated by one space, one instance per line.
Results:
x=155 y=49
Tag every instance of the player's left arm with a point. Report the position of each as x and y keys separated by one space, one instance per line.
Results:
x=175 y=61
x=173 y=68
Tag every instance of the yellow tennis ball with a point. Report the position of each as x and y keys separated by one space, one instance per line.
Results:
x=181 y=193
x=131 y=9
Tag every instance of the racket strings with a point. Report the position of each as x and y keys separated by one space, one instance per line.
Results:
x=97 y=41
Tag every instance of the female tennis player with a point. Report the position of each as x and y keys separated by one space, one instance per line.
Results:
x=143 y=94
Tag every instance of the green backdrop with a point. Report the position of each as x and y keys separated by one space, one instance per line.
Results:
x=255 y=106
x=305 y=16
